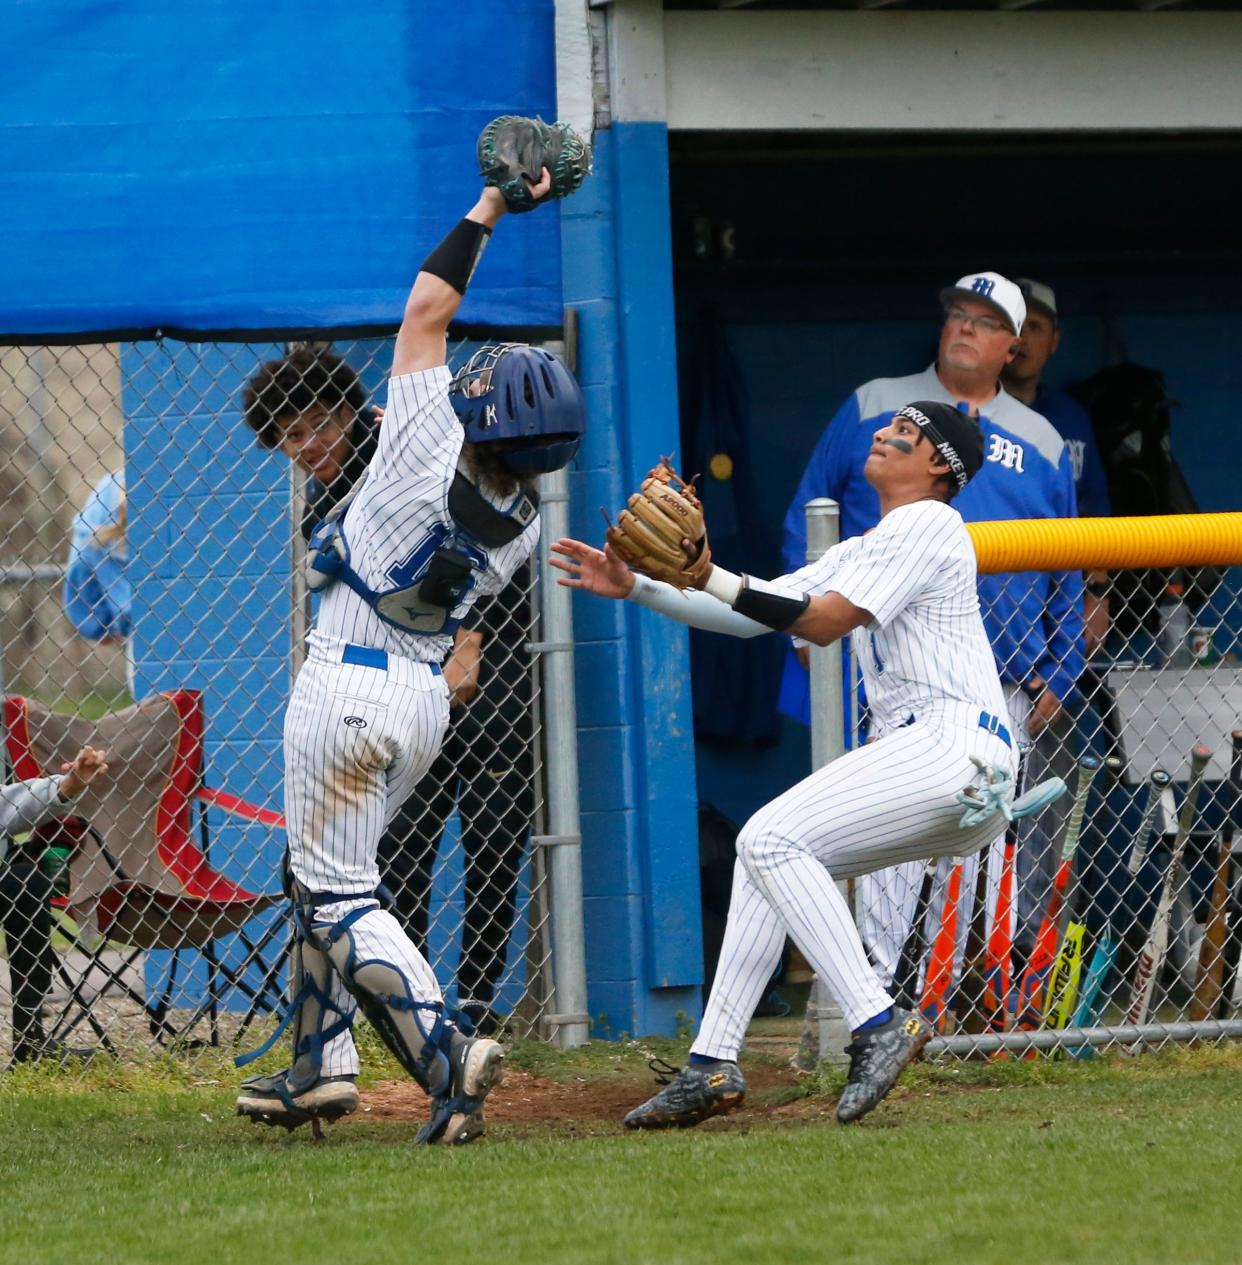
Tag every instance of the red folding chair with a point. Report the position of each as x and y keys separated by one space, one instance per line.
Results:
x=138 y=878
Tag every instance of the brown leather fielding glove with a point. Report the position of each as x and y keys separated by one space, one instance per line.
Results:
x=648 y=534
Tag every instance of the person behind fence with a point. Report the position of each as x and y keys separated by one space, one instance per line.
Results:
x=97 y=593
x=444 y=514
x=486 y=770
x=1054 y=752
x=310 y=405
x=906 y=595
x=1034 y=620
x=26 y=893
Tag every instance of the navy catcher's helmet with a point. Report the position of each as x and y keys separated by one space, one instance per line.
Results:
x=523 y=398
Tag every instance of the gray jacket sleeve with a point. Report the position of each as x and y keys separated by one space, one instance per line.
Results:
x=23 y=805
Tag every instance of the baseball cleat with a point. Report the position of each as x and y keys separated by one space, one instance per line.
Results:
x=690 y=1094
x=270 y=1100
x=877 y=1059
x=476 y=1067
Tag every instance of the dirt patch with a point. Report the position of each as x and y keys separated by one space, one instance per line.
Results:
x=526 y=1099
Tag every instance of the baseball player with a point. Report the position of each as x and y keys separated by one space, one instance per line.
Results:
x=444 y=513
x=905 y=592
x=310 y=406
x=1033 y=619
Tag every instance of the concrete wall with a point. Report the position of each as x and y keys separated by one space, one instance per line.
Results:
x=978 y=71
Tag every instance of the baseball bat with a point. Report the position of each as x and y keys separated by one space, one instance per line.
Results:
x=1061 y=995
x=1212 y=953
x=905 y=977
x=968 y=1001
x=934 y=1004
x=1065 y=979
x=1094 y=994
x=1151 y=959
x=998 y=998
x=1157 y=781
x=1093 y=997
x=1233 y=938
x=1043 y=955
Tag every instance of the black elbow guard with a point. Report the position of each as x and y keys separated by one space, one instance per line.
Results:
x=766 y=605
x=456 y=257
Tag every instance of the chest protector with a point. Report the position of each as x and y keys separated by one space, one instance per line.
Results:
x=439 y=571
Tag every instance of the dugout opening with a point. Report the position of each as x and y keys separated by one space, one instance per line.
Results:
x=808 y=263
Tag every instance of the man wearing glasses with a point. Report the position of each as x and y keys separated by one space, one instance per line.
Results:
x=1034 y=620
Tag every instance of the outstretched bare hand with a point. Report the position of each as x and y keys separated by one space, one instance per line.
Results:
x=86 y=767
x=595 y=570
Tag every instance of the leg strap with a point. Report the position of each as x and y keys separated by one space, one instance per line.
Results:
x=308 y=1010
x=421 y=1045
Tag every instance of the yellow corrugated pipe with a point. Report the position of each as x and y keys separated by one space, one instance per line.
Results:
x=1071 y=544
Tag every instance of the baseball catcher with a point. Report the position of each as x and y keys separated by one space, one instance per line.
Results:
x=447 y=512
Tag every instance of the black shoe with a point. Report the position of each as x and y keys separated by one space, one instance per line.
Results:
x=476 y=1067
x=690 y=1094
x=877 y=1058
x=271 y=1100
x=483 y=1020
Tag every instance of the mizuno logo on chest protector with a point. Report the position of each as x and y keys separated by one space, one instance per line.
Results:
x=1006 y=452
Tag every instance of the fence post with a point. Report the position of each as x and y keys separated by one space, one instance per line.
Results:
x=823 y=530
x=560 y=721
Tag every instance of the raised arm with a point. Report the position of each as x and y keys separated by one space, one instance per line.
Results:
x=422 y=341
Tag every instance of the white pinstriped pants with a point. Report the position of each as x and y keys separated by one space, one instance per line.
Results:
x=880 y=805
x=356 y=742
x=886 y=900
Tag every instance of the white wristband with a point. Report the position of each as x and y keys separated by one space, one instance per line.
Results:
x=723 y=585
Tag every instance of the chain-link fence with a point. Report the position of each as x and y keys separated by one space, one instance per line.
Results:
x=1118 y=925
x=153 y=602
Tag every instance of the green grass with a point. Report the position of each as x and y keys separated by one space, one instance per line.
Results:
x=1110 y=1161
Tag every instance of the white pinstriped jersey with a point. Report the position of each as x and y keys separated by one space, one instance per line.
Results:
x=915 y=573
x=400 y=516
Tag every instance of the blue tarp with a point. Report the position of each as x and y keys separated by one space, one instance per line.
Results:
x=217 y=165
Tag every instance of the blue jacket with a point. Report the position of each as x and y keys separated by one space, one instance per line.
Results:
x=1034 y=619
x=98 y=595
x=1073 y=424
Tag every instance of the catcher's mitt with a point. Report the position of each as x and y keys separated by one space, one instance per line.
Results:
x=513 y=151
x=647 y=535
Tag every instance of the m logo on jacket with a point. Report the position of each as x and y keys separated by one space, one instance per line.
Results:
x=1006 y=452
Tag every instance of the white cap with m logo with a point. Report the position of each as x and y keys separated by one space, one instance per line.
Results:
x=993 y=289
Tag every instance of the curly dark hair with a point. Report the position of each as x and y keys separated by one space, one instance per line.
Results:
x=307 y=376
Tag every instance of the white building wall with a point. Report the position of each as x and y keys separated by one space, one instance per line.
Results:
x=1002 y=71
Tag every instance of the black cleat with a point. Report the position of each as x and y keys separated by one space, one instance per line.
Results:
x=690 y=1094
x=271 y=1100
x=877 y=1058
x=476 y=1067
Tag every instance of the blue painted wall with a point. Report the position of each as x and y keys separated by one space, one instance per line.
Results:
x=640 y=846
x=256 y=166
